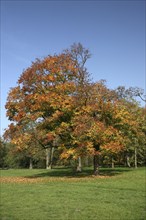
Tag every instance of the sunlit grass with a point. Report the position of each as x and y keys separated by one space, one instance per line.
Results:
x=61 y=194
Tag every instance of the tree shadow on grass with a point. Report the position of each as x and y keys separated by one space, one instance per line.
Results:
x=86 y=172
x=113 y=171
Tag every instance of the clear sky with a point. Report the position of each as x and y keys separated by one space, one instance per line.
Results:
x=113 y=31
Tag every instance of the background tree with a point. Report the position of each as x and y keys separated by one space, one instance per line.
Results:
x=3 y=153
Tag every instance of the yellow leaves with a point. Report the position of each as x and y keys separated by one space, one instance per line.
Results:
x=21 y=139
x=122 y=114
x=85 y=110
x=83 y=149
x=56 y=115
x=96 y=131
x=112 y=147
x=64 y=125
x=50 y=78
x=68 y=153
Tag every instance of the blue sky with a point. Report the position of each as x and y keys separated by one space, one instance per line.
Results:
x=113 y=31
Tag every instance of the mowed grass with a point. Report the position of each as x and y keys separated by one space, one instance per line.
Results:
x=118 y=194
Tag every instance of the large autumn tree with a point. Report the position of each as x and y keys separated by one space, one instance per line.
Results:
x=43 y=97
x=56 y=105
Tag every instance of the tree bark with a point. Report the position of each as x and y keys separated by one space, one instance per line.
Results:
x=135 y=159
x=96 y=165
x=51 y=157
x=48 y=158
x=113 y=165
x=128 y=161
x=30 y=163
x=79 y=167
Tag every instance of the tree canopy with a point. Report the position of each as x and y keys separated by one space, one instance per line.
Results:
x=55 y=105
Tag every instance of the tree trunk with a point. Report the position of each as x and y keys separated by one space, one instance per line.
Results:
x=96 y=165
x=51 y=157
x=135 y=159
x=79 y=167
x=30 y=163
x=47 y=158
x=128 y=161
x=113 y=165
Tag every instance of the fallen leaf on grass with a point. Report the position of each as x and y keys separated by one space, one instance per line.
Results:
x=49 y=179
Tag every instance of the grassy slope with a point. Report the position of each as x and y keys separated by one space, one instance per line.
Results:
x=121 y=196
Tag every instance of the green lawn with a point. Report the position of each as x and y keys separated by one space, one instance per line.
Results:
x=118 y=194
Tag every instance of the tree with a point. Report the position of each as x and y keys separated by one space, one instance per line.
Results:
x=132 y=124
x=92 y=127
x=80 y=56
x=43 y=98
x=131 y=93
x=3 y=153
x=56 y=106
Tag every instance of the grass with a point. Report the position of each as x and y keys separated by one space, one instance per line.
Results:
x=60 y=194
